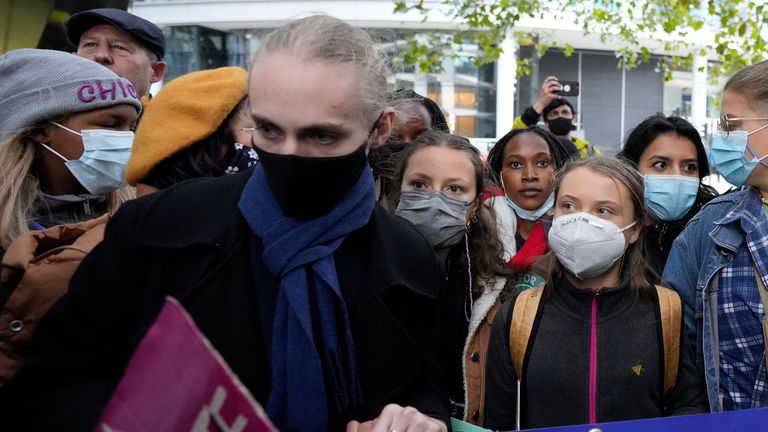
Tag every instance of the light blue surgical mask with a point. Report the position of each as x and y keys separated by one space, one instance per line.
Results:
x=728 y=155
x=670 y=197
x=529 y=215
x=106 y=152
x=532 y=215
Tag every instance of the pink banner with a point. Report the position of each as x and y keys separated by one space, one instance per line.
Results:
x=176 y=381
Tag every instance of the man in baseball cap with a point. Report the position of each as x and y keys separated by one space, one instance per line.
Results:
x=130 y=46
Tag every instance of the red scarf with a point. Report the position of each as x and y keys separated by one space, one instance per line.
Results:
x=533 y=248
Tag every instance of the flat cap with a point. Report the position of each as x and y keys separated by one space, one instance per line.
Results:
x=146 y=32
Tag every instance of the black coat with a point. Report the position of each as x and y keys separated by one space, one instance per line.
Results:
x=630 y=362
x=192 y=243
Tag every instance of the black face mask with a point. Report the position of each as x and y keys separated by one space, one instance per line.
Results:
x=560 y=126
x=384 y=158
x=292 y=178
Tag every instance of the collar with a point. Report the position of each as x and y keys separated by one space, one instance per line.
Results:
x=565 y=284
x=214 y=220
x=209 y=206
x=51 y=210
x=747 y=213
x=746 y=210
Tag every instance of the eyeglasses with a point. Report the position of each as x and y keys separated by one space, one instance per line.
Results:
x=728 y=124
x=248 y=129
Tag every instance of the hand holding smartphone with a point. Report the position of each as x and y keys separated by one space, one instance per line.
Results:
x=568 y=88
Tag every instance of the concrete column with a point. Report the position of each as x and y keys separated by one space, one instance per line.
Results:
x=420 y=82
x=448 y=91
x=699 y=92
x=506 y=85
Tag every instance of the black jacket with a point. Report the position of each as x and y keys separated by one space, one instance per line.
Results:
x=191 y=242
x=630 y=363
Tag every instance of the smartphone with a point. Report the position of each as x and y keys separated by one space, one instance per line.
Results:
x=570 y=88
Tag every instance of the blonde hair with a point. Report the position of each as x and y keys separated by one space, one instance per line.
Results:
x=20 y=188
x=333 y=41
x=752 y=83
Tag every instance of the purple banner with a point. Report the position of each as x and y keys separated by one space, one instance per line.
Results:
x=176 y=381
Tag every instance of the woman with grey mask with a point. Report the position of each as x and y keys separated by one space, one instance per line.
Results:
x=598 y=342
x=441 y=185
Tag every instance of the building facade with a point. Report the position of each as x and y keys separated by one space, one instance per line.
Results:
x=479 y=102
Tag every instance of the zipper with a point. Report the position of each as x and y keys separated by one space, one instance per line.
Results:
x=593 y=360
x=87 y=206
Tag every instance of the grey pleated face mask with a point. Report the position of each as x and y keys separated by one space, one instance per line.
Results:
x=442 y=220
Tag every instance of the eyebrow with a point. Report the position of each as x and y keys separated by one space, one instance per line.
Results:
x=448 y=180
x=121 y=38
x=602 y=202
x=321 y=126
x=666 y=158
x=596 y=202
x=549 y=155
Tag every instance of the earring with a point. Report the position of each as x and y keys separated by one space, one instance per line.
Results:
x=472 y=220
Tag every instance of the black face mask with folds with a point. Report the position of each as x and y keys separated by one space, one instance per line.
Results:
x=310 y=187
x=560 y=126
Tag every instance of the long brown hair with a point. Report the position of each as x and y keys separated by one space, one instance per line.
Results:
x=485 y=248
x=635 y=272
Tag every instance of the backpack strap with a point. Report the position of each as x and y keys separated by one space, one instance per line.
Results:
x=670 y=309
x=523 y=315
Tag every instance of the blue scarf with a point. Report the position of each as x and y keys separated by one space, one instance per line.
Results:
x=311 y=339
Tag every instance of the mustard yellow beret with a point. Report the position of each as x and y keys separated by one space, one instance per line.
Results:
x=186 y=110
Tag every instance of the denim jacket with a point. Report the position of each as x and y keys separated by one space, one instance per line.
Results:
x=706 y=246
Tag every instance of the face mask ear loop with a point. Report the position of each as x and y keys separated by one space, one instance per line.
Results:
x=750 y=148
x=628 y=226
x=468 y=314
x=54 y=152
x=67 y=129
x=501 y=180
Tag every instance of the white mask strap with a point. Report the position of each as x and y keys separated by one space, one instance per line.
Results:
x=758 y=129
x=67 y=129
x=628 y=226
x=54 y=152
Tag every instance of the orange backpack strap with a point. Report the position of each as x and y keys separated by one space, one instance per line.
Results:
x=670 y=309
x=523 y=315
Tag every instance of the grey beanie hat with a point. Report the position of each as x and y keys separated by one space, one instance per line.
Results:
x=37 y=85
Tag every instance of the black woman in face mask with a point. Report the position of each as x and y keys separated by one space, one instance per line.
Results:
x=598 y=342
x=441 y=186
x=558 y=115
x=414 y=115
x=669 y=153
x=522 y=165
x=322 y=303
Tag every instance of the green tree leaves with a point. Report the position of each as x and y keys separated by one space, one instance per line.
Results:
x=731 y=32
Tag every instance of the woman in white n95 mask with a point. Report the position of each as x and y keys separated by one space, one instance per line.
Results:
x=594 y=330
